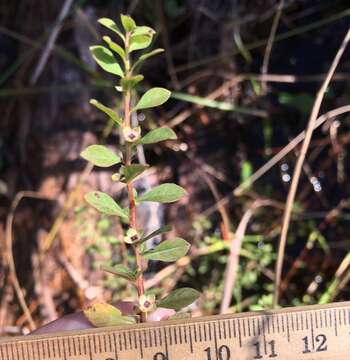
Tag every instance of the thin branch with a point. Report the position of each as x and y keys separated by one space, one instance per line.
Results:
x=267 y=55
x=9 y=251
x=51 y=41
x=233 y=259
x=225 y=225
x=299 y=165
x=239 y=190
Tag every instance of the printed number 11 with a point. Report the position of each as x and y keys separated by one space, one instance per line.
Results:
x=272 y=345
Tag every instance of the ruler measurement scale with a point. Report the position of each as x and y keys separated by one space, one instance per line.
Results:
x=310 y=332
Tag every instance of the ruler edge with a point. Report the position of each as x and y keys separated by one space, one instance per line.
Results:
x=161 y=324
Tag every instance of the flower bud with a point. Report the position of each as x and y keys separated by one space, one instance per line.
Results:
x=147 y=303
x=115 y=177
x=132 y=235
x=131 y=135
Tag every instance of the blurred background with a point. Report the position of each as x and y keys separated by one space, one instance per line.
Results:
x=237 y=100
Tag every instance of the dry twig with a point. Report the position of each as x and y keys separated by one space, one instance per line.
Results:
x=239 y=190
x=298 y=167
x=233 y=260
x=269 y=45
x=51 y=41
x=9 y=252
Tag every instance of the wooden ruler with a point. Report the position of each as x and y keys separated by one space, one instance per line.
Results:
x=309 y=332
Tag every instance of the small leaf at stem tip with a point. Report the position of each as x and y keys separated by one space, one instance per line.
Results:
x=153 y=97
x=105 y=204
x=102 y=314
x=130 y=172
x=111 y=25
x=168 y=250
x=139 y=42
x=100 y=155
x=111 y=113
x=157 y=135
x=162 y=230
x=128 y=23
x=179 y=299
x=165 y=193
x=115 y=47
x=105 y=59
x=121 y=271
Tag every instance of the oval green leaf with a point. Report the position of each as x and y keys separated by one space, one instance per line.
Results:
x=143 y=30
x=104 y=58
x=157 y=135
x=100 y=155
x=128 y=23
x=139 y=42
x=153 y=97
x=168 y=250
x=130 y=172
x=179 y=299
x=121 y=271
x=115 y=47
x=111 y=25
x=105 y=204
x=102 y=314
x=165 y=193
x=144 y=57
x=111 y=113
x=164 y=229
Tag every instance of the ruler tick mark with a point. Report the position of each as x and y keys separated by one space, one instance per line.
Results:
x=190 y=335
x=115 y=346
x=239 y=333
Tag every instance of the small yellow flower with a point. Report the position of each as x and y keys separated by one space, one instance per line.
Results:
x=147 y=303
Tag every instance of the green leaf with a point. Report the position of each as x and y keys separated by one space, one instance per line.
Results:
x=104 y=58
x=153 y=97
x=111 y=113
x=128 y=23
x=165 y=193
x=122 y=271
x=106 y=315
x=157 y=135
x=168 y=250
x=111 y=25
x=162 y=230
x=179 y=299
x=220 y=105
x=105 y=204
x=144 y=57
x=115 y=47
x=130 y=82
x=130 y=172
x=139 y=42
x=143 y=30
x=100 y=155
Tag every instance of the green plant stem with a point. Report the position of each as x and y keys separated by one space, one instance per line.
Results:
x=130 y=187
